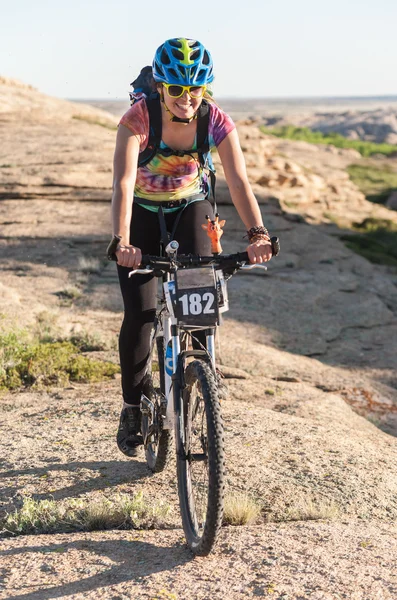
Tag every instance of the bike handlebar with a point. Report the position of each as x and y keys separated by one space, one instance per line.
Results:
x=228 y=263
x=191 y=260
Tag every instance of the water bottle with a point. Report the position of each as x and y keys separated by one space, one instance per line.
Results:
x=169 y=363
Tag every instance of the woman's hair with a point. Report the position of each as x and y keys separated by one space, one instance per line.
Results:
x=210 y=98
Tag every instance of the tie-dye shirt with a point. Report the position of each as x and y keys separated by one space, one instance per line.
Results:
x=172 y=177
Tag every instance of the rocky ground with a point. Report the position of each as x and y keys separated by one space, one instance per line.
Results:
x=308 y=349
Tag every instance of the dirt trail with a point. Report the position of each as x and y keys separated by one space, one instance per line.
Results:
x=309 y=351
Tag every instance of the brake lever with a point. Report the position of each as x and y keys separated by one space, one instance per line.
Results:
x=145 y=271
x=253 y=266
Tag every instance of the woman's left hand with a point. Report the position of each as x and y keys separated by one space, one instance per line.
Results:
x=260 y=251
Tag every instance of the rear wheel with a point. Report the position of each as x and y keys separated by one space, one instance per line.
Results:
x=158 y=446
x=201 y=462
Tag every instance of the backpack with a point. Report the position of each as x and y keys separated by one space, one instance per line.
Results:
x=145 y=90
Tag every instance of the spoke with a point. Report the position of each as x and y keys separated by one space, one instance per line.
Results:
x=197 y=464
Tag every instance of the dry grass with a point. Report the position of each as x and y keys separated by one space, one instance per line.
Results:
x=121 y=511
x=46 y=327
x=68 y=295
x=93 y=120
x=90 y=265
x=240 y=509
x=306 y=509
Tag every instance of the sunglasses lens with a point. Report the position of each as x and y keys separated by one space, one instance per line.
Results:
x=175 y=91
x=196 y=92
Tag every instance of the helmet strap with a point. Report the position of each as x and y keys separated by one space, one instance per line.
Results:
x=173 y=117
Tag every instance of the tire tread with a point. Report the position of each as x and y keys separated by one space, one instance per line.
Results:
x=201 y=372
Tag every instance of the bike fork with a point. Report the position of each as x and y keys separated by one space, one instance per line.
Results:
x=210 y=342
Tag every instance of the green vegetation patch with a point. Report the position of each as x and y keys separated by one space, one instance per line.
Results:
x=122 y=511
x=375 y=239
x=26 y=363
x=305 y=134
x=375 y=182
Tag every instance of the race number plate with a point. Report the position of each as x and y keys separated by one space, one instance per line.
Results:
x=196 y=298
x=221 y=288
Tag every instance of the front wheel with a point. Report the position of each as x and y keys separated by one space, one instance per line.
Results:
x=200 y=463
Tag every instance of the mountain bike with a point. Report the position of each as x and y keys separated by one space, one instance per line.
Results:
x=180 y=391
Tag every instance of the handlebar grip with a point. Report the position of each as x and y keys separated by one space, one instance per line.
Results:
x=145 y=260
x=275 y=245
x=243 y=256
x=111 y=249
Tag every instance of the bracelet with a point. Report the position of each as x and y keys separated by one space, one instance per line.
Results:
x=258 y=230
x=258 y=237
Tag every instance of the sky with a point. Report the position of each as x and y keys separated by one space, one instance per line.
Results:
x=84 y=49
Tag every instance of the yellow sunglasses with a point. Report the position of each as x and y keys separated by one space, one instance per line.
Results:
x=176 y=91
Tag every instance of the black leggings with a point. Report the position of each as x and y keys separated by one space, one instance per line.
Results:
x=140 y=291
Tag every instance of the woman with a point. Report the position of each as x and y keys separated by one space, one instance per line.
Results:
x=182 y=70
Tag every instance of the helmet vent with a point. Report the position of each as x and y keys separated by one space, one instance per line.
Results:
x=201 y=73
x=165 y=59
x=177 y=54
x=160 y=70
x=182 y=71
x=206 y=58
x=175 y=43
x=195 y=54
x=173 y=73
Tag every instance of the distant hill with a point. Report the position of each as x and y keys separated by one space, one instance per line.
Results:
x=17 y=98
x=372 y=119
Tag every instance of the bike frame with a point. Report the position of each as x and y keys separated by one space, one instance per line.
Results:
x=169 y=328
x=171 y=331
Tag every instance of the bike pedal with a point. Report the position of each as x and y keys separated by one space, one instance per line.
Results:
x=146 y=406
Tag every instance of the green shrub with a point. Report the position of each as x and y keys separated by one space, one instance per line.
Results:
x=87 y=342
x=336 y=139
x=375 y=239
x=24 y=363
x=375 y=182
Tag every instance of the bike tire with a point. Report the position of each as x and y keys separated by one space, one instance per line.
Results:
x=159 y=451
x=201 y=501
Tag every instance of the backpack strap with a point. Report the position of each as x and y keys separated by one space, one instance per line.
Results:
x=203 y=120
x=155 y=129
x=203 y=146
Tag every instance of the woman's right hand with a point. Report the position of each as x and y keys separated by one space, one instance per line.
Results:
x=128 y=256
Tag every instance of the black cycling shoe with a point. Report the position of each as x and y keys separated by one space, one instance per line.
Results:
x=128 y=434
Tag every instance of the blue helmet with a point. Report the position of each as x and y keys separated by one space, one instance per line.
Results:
x=183 y=62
